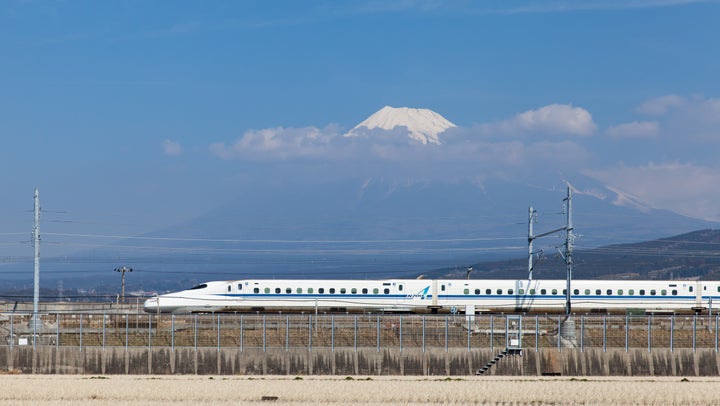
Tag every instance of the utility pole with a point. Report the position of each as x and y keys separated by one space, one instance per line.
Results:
x=569 y=242
x=122 y=271
x=35 y=321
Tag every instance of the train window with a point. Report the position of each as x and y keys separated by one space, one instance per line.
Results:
x=386 y=291
x=321 y=290
x=277 y=290
x=598 y=292
x=364 y=290
x=229 y=288
x=256 y=290
x=564 y=291
x=353 y=291
x=543 y=291
x=499 y=291
x=652 y=292
x=691 y=288
x=288 y=290
x=466 y=291
x=400 y=288
x=267 y=290
x=310 y=290
x=298 y=290
x=239 y=286
x=510 y=291
x=332 y=290
x=532 y=291
x=488 y=291
x=442 y=287
x=386 y=283
x=375 y=291
x=576 y=291
x=620 y=291
x=609 y=292
x=521 y=291
x=718 y=288
x=343 y=290
x=477 y=291
x=642 y=292
x=554 y=291
x=674 y=292
x=587 y=291
x=631 y=292
x=663 y=292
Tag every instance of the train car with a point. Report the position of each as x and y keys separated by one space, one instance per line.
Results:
x=469 y=296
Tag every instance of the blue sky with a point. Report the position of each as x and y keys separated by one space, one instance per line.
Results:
x=129 y=115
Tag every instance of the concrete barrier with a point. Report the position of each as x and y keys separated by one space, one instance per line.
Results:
x=364 y=361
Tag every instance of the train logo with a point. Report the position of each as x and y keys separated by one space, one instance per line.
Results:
x=422 y=294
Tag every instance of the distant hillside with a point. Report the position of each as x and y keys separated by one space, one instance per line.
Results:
x=686 y=256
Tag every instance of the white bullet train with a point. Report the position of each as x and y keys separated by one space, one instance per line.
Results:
x=469 y=296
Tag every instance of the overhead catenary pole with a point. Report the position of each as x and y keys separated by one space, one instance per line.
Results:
x=569 y=241
x=36 y=243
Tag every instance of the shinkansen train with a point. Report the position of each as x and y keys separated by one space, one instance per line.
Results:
x=469 y=296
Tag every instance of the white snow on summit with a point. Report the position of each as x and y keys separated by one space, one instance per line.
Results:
x=423 y=125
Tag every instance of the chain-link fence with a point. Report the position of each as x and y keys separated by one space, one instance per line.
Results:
x=406 y=332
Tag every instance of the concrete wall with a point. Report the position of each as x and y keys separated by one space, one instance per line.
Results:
x=366 y=361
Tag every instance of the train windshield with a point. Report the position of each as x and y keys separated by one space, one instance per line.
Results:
x=203 y=286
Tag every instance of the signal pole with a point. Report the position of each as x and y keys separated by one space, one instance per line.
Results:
x=122 y=270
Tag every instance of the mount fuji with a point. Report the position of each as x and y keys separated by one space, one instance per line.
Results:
x=423 y=125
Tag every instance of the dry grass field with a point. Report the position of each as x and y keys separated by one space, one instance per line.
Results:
x=312 y=390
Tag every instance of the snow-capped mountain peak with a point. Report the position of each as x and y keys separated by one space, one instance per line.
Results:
x=423 y=125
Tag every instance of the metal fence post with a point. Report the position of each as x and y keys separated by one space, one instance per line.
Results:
x=264 y=335
x=12 y=332
x=582 y=333
x=241 y=333
x=127 y=331
x=103 y=337
x=195 y=331
x=81 y=330
x=400 y=333
x=492 y=333
x=537 y=332
x=446 y=333
x=332 y=333
x=172 y=332
x=423 y=333
x=287 y=333
x=672 y=332
x=649 y=332
x=355 y=332
x=310 y=332
x=149 y=330
x=559 y=328
x=604 y=333
x=469 y=334
x=377 y=340
x=716 y=333
x=627 y=331
x=694 y=335
x=218 y=332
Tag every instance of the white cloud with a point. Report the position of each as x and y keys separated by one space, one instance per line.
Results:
x=639 y=129
x=687 y=189
x=280 y=143
x=171 y=148
x=554 y=120
x=659 y=106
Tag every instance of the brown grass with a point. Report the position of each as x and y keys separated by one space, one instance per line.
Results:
x=306 y=390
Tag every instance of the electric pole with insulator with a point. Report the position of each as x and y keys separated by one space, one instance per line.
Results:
x=122 y=271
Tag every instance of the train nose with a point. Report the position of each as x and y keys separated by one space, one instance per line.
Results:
x=151 y=305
